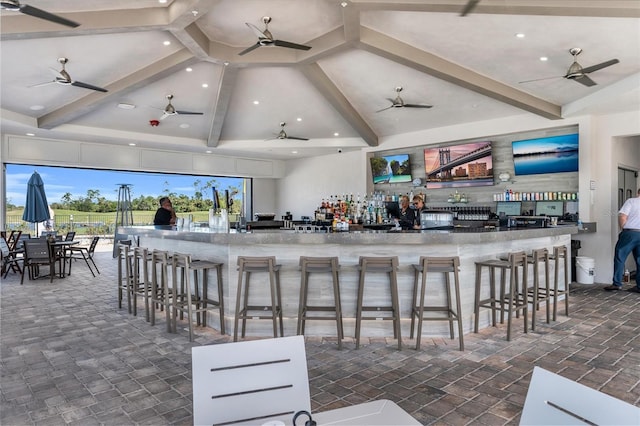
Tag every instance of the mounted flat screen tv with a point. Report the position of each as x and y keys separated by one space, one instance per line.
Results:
x=391 y=169
x=469 y=164
x=554 y=154
x=550 y=208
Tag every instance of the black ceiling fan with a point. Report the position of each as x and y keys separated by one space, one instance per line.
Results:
x=171 y=110
x=399 y=103
x=577 y=73
x=471 y=4
x=283 y=135
x=15 y=6
x=62 y=77
x=265 y=38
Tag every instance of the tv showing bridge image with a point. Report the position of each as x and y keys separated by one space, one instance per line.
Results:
x=463 y=165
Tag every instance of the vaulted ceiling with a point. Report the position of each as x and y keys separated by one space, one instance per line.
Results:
x=469 y=68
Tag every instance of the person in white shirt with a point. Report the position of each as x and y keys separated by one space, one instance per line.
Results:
x=628 y=242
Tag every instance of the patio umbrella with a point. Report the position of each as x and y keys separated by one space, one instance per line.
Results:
x=36 y=208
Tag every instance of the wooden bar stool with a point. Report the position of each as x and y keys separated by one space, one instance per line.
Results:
x=141 y=281
x=389 y=266
x=535 y=292
x=159 y=296
x=560 y=255
x=513 y=302
x=203 y=302
x=248 y=265
x=445 y=266
x=125 y=272
x=319 y=264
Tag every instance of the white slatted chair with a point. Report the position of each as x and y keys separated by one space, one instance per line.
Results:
x=250 y=382
x=556 y=400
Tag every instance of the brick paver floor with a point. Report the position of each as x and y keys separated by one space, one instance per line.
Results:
x=70 y=356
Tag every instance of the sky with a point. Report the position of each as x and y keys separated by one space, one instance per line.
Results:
x=61 y=180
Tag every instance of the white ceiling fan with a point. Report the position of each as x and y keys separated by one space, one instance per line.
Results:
x=265 y=38
x=62 y=77
x=398 y=102
x=171 y=110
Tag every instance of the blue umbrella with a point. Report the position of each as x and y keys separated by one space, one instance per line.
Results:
x=36 y=207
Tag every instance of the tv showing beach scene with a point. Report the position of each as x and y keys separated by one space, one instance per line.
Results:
x=391 y=169
x=554 y=154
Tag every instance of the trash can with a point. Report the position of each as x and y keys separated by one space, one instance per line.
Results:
x=575 y=246
x=586 y=269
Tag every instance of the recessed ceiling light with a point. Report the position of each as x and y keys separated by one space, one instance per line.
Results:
x=226 y=63
x=344 y=4
x=162 y=1
x=520 y=35
x=166 y=42
x=544 y=58
x=299 y=119
x=30 y=134
x=194 y=12
x=256 y=102
x=36 y=107
x=123 y=105
x=132 y=144
x=208 y=151
x=205 y=85
x=294 y=152
x=189 y=69
x=184 y=126
x=336 y=134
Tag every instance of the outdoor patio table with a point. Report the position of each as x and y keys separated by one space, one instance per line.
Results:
x=380 y=412
x=60 y=250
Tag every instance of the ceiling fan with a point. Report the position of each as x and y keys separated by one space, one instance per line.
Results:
x=15 y=6
x=62 y=77
x=283 y=135
x=171 y=110
x=471 y=4
x=265 y=38
x=577 y=73
x=399 y=103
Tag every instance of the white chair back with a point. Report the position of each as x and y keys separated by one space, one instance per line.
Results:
x=251 y=382
x=555 y=400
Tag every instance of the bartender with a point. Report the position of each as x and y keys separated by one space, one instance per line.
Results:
x=418 y=207
x=407 y=217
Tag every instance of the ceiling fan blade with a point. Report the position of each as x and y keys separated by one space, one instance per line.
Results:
x=597 y=67
x=249 y=49
x=165 y=115
x=290 y=45
x=296 y=138
x=39 y=13
x=43 y=84
x=88 y=86
x=585 y=80
x=471 y=4
x=418 y=106
x=57 y=74
x=539 y=79
x=384 y=109
x=256 y=31
x=189 y=113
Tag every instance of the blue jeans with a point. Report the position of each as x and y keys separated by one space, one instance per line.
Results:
x=628 y=242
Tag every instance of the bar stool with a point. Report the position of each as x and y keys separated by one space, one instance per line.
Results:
x=389 y=266
x=125 y=272
x=202 y=299
x=159 y=295
x=560 y=253
x=248 y=265
x=319 y=264
x=444 y=265
x=513 y=302
x=539 y=294
x=141 y=282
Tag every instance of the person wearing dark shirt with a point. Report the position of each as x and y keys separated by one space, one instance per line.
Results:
x=418 y=207
x=407 y=217
x=165 y=215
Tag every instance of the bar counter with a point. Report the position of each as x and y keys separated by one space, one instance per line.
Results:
x=470 y=244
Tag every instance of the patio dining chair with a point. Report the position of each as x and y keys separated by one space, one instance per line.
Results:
x=37 y=252
x=10 y=259
x=250 y=382
x=70 y=236
x=84 y=253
